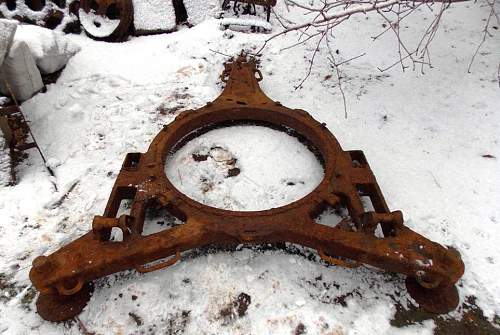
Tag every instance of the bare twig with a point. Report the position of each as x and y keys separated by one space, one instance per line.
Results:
x=82 y=327
x=328 y=14
x=486 y=33
x=323 y=16
x=220 y=53
x=336 y=66
x=498 y=74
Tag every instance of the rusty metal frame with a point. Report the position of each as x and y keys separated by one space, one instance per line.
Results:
x=63 y=277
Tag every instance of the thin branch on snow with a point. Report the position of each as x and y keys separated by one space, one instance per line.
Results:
x=498 y=74
x=220 y=53
x=336 y=67
x=493 y=14
x=324 y=16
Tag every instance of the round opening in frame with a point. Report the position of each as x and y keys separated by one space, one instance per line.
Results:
x=244 y=167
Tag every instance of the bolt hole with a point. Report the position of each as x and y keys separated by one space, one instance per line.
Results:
x=330 y=216
x=35 y=5
x=116 y=234
x=11 y=4
x=132 y=161
x=113 y=13
x=159 y=219
x=358 y=159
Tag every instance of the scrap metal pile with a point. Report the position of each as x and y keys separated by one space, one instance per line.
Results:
x=53 y=14
x=65 y=277
x=249 y=6
x=115 y=20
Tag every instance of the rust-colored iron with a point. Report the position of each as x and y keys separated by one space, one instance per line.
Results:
x=121 y=10
x=64 y=277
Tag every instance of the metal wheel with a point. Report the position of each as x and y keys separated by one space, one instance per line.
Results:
x=106 y=20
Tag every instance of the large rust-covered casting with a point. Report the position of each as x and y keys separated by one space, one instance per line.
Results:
x=64 y=277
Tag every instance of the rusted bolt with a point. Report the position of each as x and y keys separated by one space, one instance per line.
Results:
x=424 y=280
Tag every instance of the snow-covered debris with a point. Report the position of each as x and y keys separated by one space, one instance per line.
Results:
x=246 y=21
x=50 y=49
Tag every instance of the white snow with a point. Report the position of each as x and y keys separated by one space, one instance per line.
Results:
x=45 y=42
x=424 y=136
x=5 y=177
x=246 y=20
x=50 y=49
x=7 y=31
x=97 y=25
x=151 y=15
x=275 y=169
x=200 y=10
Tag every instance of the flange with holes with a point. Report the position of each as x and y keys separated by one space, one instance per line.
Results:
x=106 y=20
x=63 y=277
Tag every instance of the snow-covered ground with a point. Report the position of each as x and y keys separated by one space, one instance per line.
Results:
x=427 y=138
x=244 y=168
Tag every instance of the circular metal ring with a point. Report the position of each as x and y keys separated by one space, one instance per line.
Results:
x=423 y=280
x=63 y=290
x=106 y=20
x=191 y=124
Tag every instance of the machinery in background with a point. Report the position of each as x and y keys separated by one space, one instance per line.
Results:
x=115 y=20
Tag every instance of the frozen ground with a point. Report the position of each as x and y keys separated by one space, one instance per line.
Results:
x=432 y=141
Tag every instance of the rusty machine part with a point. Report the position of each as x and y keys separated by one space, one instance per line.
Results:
x=19 y=138
x=250 y=4
x=16 y=129
x=64 y=278
x=121 y=11
x=49 y=14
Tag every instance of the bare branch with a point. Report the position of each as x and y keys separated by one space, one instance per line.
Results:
x=323 y=16
x=486 y=33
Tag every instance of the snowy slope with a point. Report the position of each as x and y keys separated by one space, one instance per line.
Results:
x=424 y=136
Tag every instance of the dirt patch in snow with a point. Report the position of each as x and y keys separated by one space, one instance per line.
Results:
x=472 y=320
x=236 y=308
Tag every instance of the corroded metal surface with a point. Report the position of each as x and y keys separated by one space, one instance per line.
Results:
x=431 y=268
x=121 y=10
